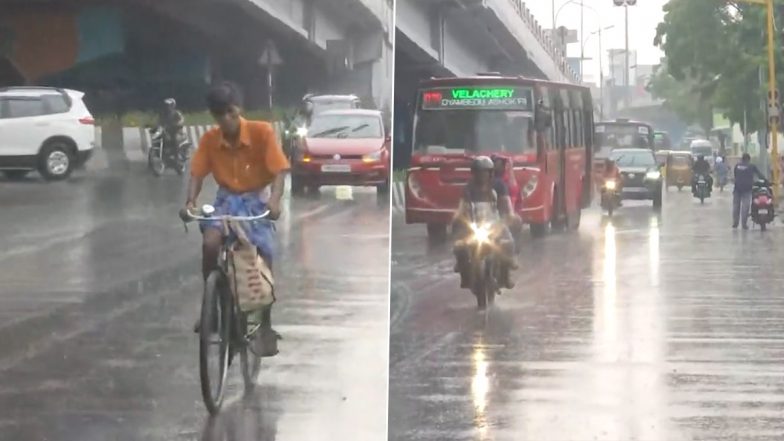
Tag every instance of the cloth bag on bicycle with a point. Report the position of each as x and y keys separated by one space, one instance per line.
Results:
x=250 y=278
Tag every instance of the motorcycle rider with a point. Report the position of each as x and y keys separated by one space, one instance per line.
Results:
x=701 y=168
x=172 y=122
x=250 y=169
x=612 y=172
x=745 y=172
x=722 y=170
x=484 y=188
x=513 y=221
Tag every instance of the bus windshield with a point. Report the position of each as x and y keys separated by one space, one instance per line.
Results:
x=622 y=136
x=473 y=131
x=475 y=118
x=633 y=158
x=662 y=141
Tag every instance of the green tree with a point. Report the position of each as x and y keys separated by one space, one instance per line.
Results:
x=681 y=97
x=718 y=48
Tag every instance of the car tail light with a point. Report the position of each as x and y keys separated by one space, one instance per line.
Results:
x=87 y=120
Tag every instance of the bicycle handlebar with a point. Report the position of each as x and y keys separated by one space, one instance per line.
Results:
x=187 y=216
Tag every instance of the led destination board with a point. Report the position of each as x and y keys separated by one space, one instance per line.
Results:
x=480 y=97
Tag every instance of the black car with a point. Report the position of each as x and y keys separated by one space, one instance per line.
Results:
x=641 y=174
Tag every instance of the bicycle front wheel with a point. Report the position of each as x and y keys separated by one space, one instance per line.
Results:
x=249 y=362
x=214 y=341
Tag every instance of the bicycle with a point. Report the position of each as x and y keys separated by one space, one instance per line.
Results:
x=220 y=313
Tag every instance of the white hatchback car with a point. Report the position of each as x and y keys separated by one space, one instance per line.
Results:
x=45 y=129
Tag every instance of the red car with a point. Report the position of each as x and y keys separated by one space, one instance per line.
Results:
x=343 y=147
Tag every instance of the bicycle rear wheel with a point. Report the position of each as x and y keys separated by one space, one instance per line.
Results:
x=215 y=333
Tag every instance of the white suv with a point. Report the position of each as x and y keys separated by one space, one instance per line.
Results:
x=44 y=129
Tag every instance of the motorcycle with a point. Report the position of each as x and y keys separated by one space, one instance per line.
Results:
x=762 y=211
x=703 y=190
x=160 y=158
x=611 y=199
x=483 y=255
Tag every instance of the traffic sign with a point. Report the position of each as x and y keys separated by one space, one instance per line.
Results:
x=270 y=56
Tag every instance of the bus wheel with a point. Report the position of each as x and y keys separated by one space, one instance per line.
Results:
x=538 y=230
x=558 y=225
x=574 y=220
x=436 y=233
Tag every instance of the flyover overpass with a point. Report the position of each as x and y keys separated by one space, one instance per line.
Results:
x=151 y=48
x=463 y=38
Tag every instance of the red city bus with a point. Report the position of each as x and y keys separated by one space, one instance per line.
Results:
x=546 y=129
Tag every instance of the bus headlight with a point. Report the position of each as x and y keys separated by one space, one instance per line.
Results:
x=530 y=187
x=413 y=185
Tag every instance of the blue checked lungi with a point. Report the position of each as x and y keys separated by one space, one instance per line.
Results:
x=261 y=233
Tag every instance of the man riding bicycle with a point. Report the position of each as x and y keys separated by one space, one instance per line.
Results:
x=245 y=159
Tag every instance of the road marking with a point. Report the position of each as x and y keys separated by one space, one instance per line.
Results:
x=311 y=213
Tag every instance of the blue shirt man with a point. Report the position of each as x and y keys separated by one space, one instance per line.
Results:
x=745 y=172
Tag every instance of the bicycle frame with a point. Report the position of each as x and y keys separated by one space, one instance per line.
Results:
x=223 y=254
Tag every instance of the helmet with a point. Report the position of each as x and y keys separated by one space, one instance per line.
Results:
x=482 y=163
x=170 y=102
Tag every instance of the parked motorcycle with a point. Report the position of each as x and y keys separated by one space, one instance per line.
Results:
x=160 y=158
x=483 y=255
x=703 y=190
x=762 y=211
x=611 y=198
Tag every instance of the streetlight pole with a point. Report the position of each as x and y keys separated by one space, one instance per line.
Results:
x=773 y=105
x=774 y=117
x=626 y=53
x=601 y=66
x=582 y=40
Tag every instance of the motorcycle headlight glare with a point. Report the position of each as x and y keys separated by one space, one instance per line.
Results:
x=610 y=184
x=481 y=233
x=653 y=175
x=302 y=132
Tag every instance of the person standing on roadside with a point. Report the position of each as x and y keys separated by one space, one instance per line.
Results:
x=745 y=172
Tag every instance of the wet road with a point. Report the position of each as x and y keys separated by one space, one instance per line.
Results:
x=100 y=288
x=654 y=328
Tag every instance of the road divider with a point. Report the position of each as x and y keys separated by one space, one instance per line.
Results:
x=136 y=142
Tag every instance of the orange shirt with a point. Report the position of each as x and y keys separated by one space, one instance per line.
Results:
x=250 y=165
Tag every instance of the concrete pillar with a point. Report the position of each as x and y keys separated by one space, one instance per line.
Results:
x=362 y=64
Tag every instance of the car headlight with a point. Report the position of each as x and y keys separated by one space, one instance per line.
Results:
x=302 y=132
x=481 y=232
x=372 y=157
x=530 y=187
x=610 y=184
x=653 y=175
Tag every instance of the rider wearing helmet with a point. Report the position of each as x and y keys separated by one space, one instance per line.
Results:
x=483 y=187
x=701 y=168
x=172 y=122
